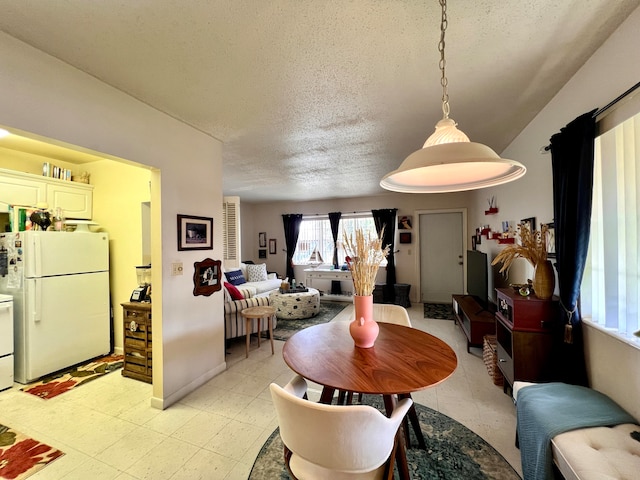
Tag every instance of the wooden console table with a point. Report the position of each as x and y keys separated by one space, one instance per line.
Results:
x=313 y=274
x=475 y=321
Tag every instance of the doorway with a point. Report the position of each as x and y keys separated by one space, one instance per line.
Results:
x=441 y=246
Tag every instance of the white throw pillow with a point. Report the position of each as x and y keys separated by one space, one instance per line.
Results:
x=257 y=273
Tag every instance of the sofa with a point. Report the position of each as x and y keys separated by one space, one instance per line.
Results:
x=587 y=437
x=254 y=284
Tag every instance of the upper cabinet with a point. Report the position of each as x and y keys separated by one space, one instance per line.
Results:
x=17 y=188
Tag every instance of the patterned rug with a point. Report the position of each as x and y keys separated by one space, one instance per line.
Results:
x=453 y=452
x=64 y=380
x=21 y=456
x=285 y=327
x=438 y=311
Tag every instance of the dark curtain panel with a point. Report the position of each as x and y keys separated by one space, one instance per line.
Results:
x=291 y=232
x=387 y=218
x=572 y=158
x=334 y=220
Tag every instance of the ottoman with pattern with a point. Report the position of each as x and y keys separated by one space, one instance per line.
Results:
x=295 y=305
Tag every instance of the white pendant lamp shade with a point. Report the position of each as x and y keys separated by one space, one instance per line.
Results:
x=448 y=161
x=452 y=167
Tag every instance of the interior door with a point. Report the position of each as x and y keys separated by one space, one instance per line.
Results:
x=441 y=256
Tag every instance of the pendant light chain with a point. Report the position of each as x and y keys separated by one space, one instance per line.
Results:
x=443 y=79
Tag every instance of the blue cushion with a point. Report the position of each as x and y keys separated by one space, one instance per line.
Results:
x=235 y=277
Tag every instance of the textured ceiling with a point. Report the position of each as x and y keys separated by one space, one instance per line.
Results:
x=315 y=99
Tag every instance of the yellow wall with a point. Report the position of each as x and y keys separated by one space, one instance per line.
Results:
x=28 y=163
x=119 y=190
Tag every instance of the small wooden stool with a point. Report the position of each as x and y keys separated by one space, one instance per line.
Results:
x=259 y=313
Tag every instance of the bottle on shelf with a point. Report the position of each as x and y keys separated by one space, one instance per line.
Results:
x=58 y=220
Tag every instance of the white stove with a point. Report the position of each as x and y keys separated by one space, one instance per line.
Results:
x=6 y=341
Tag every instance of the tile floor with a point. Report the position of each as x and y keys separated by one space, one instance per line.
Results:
x=108 y=430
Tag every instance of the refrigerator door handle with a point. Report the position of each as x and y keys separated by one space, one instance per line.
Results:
x=34 y=266
x=36 y=302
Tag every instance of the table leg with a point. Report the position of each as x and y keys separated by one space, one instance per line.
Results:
x=327 y=395
x=271 y=332
x=415 y=423
x=247 y=328
x=401 y=450
x=259 y=330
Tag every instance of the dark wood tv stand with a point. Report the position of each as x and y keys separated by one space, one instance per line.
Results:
x=475 y=321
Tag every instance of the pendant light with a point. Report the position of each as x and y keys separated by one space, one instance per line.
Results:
x=449 y=161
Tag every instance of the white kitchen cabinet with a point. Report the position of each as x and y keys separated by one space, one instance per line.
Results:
x=18 y=188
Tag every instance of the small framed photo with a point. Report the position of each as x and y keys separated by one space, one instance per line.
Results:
x=551 y=240
x=272 y=246
x=404 y=222
x=474 y=242
x=405 y=237
x=262 y=239
x=262 y=253
x=195 y=233
x=530 y=222
x=206 y=277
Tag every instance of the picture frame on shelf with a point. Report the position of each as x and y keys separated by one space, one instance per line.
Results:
x=262 y=239
x=551 y=240
x=206 y=277
x=272 y=246
x=195 y=233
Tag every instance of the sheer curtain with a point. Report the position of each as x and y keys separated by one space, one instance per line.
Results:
x=611 y=289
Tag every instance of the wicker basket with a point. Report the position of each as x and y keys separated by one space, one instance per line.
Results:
x=490 y=357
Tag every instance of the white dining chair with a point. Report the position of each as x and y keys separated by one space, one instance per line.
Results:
x=334 y=442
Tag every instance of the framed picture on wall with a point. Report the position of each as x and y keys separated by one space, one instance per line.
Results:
x=195 y=233
x=405 y=237
x=530 y=222
x=262 y=253
x=551 y=240
x=272 y=246
x=206 y=277
x=262 y=239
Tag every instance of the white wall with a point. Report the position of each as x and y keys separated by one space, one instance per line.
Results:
x=48 y=98
x=609 y=72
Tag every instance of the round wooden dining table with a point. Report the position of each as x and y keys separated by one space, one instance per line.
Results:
x=403 y=360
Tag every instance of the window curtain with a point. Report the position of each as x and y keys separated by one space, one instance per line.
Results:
x=291 y=224
x=572 y=160
x=386 y=218
x=334 y=221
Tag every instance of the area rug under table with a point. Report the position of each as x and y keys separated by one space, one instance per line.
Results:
x=287 y=327
x=453 y=452
x=21 y=456
x=60 y=382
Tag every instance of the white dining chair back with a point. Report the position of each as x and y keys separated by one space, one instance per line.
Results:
x=387 y=313
x=334 y=441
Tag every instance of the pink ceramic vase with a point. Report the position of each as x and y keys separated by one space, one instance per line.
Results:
x=364 y=329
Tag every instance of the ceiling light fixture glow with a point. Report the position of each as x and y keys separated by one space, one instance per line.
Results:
x=449 y=161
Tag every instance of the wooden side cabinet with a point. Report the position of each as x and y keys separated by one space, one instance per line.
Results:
x=137 y=341
x=524 y=334
x=475 y=321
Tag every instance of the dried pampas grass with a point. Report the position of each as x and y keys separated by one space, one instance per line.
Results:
x=364 y=255
x=533 y=247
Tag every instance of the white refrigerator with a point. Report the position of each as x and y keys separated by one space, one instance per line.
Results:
x=6 y=342
x=59 y=282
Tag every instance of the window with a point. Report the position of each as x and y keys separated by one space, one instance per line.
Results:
x=610 y=291
x=315 y=233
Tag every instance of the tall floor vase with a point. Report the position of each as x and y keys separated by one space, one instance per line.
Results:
x=363 y=329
